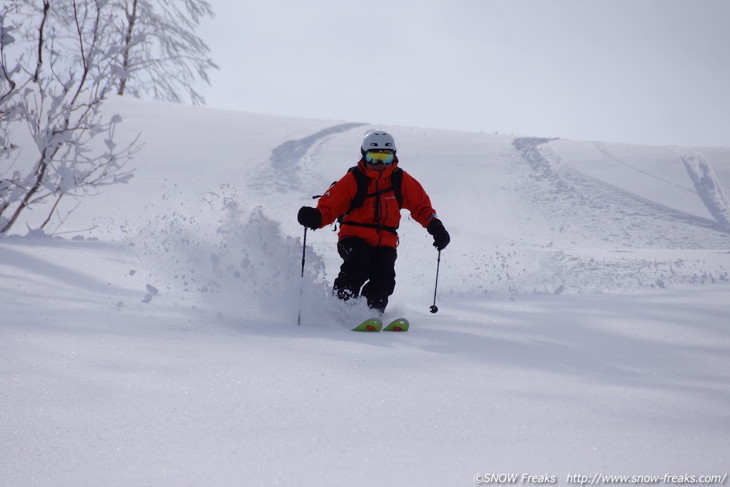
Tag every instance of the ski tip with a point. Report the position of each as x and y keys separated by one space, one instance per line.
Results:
x=401 y=324
x=371 y=325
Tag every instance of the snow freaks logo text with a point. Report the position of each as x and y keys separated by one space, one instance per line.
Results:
x=601 y=479
x=514 y=478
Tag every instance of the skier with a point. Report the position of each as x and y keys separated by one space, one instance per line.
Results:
x=369 y=212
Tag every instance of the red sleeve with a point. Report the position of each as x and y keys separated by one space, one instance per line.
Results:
x=336 y=200
x=416 y=200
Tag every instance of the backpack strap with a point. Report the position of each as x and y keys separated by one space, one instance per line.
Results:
x=362 y=189
x=396 y=181
x=372 y=225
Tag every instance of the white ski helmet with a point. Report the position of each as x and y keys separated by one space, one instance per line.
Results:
x=378 y=139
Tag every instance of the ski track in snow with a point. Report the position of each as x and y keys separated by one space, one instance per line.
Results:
x=287 y=167
x=626 y=225
x=286 y=156
x=708 y=187
x=630 y=211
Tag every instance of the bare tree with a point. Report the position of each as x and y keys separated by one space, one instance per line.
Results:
x=8 y=110
x=65 y=62
x=7 y=84
x=160 y=53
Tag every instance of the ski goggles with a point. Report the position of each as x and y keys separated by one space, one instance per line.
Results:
x=376 y=157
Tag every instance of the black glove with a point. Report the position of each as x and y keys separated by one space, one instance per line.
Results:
x=440 y=236
x=310 y=217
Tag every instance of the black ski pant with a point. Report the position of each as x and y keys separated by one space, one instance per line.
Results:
x=364 y=264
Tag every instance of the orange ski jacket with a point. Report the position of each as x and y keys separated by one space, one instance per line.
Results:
x=378 y=218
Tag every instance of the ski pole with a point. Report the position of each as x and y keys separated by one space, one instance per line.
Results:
x=434 y=308
x=301 y=284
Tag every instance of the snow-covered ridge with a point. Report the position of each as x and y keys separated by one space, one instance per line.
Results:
x=527 y=215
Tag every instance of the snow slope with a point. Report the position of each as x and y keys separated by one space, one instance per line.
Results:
x=582 y=325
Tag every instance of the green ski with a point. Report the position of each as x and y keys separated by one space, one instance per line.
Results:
x=401 y=324
x=371 y=325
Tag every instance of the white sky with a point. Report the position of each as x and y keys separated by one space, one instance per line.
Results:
x=639 y=71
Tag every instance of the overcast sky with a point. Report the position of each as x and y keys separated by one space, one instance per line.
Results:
x=639 y=71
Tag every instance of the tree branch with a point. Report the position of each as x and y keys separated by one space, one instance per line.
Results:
x=41 y=39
